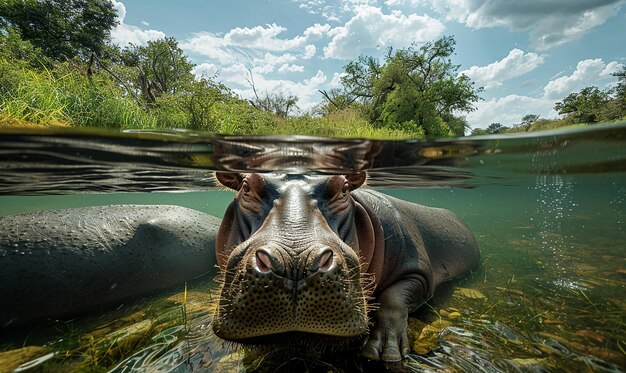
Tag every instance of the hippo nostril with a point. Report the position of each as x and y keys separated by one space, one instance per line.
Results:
x=263 y=262
x=326 y=261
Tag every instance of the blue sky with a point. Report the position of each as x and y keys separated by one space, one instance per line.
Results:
x=527 y=54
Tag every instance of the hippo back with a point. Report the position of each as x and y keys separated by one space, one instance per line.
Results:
x=60 y=262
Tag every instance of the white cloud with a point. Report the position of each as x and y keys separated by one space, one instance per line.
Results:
x=286 y=68
x=399 y=3
x=258 y=38
x=588 y=72
x=206 y=70
x=309 y=52
x=262 y=69
x=351 y=5
x=311 y=6
x=370 y=28
x=248 y=43
x=232 y=74
x=273 y=59
x=336 y=80
x=330 y=16
x=510 y=109
x=211 y=46
x=124 y=34
x=315 y=32
x=549 y=22
x=515 y=64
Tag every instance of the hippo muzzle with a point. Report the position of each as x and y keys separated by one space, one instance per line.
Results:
x=288 y=252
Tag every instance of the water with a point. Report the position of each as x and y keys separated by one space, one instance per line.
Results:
x=548 y=210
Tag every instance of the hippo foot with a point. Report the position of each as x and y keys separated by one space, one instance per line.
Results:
x=388 y=340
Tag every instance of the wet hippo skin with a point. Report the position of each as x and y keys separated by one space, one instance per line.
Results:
x=60 y=262
x=316 y=258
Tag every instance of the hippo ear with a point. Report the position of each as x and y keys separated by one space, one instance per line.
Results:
x=231 y=180
x=356 y=179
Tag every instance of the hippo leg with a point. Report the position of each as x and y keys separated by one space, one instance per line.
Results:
x=388 y=338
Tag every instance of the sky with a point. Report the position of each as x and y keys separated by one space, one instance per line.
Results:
x=527 y=54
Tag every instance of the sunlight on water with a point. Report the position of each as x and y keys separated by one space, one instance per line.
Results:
x=548 y=210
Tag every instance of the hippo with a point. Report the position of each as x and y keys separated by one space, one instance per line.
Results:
x=60 y=262
x=312 y=259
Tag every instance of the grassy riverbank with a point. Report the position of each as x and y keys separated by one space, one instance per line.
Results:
x=66 y=96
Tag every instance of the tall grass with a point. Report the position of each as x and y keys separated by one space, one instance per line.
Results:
x=341 y=123
x=29 y=96
x=66 y=96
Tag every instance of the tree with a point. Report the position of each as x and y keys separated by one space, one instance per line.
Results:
x=529 y=119
x=479 y=132
x=336 y=99
x=160 y=67
x=526 y=123
x=492 y=129
x=495 y=128
x=14 y=48
x=458 y=125
x=63 y=29
x=584 y=106
x=414 y=88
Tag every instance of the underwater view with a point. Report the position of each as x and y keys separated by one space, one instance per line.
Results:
x=548 y=210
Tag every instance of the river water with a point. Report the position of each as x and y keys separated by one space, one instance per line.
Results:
x=548 y=210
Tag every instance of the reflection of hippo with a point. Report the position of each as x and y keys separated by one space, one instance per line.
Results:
x=54 y=263
x=298 y=255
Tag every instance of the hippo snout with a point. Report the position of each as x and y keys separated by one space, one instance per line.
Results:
x=279 y=262
x=272 y=291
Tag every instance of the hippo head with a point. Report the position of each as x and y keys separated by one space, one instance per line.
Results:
x=293 y=251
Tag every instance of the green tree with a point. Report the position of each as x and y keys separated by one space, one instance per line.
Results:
x=14 y=48
x=415 y=88
x=496 y=128
x=492 y=129
x=157 y=68
x=526 y=123
x=335 y=99
x=529 y=119
x=479 y=132
x=584 y=106
x=63 y=29
x=458 y=125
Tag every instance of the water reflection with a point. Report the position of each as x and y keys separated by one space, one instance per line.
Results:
x=61 y=161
